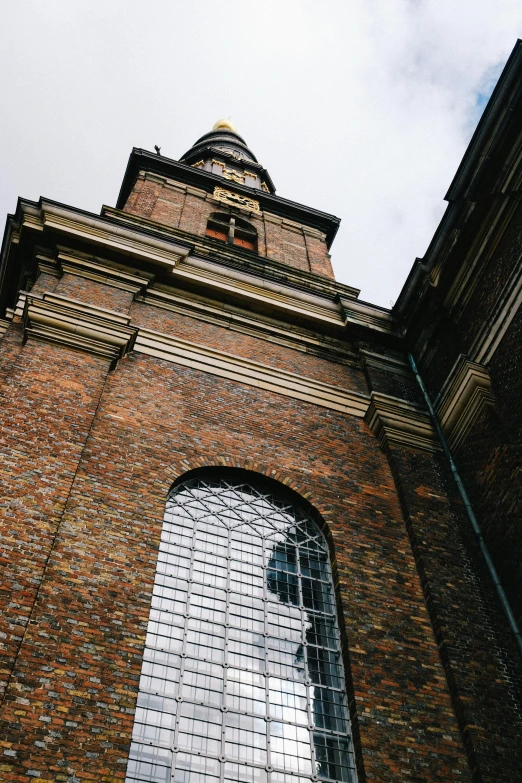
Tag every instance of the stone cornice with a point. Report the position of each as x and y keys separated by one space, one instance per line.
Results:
x=385 y=362
x=395 y=421
x=103 y=272
x=282 y=299
x=4 y=324
x=466 y=392
x=251 y=373
x=365 y=315
x=100 y=231
x=105 y=333
x=67 y=322
x=141 y=285
x=261 y=327
x=254 y=283
x=48 y=264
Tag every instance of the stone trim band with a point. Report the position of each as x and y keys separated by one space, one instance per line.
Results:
x=109 y=334
x=64 y=321
x=250 y=373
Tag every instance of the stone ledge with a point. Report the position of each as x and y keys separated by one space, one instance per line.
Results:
x=278 y=298
x=386 y=363
x=4 y=325
x=67 y=322
x=229 y=318
x=363 y=314
x=60 y=320
x=504 y=311
x=466 y=391
x=103 y=272
x=395 y=421
x=101 y=231
x=233 y=259
x=250 y=373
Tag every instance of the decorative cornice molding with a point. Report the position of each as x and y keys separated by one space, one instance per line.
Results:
x=250 y=373
x=67 y=322
x=395 y=421
x=385 y=362
x=264 y=328
x=105 y=333
x=103 y=272
x=278 y=298
x=141 y=285
x=465 y=393
x=233 y=259
x=253 y=283
x=4 y=325
x=102 y=231
x=356 y=313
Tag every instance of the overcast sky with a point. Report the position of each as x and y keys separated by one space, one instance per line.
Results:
x=361 y=108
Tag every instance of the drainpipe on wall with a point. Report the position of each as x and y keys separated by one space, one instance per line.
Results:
x=471 y=514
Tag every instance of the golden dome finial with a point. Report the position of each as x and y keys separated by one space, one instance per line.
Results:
x=224 y=125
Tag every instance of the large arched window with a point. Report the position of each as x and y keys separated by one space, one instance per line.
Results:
x=242 y=677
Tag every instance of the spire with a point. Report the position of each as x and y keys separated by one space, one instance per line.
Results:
x=224 y=152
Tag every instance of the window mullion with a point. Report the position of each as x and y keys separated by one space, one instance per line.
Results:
x=231 y=230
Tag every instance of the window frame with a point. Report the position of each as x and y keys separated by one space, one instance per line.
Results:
x=313 y=695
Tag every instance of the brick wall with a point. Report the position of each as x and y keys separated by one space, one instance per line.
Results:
x=477 y=649
x=478 y=653
x=490 y=457
x=48 y=399
x=432 y=678
x=490 y=460
x=247 y=346
x=92 y=292
x=68 y=710
x=452 y=334
x=494 y=274
x=45 y=282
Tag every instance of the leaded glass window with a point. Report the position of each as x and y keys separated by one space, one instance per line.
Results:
x=242 y=677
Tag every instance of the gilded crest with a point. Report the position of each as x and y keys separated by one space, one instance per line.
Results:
x=235 y=199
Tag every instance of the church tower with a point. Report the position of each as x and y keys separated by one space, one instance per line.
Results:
x=233 y=550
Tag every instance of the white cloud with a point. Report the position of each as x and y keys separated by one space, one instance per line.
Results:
x=361 y=108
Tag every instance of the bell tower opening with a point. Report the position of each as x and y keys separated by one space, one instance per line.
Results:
x=232 y=230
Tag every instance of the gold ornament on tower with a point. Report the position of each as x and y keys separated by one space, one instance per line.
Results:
x=224 y=125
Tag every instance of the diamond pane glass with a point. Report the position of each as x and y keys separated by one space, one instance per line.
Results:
x=242 y=677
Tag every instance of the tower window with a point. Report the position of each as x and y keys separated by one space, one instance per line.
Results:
x=242 y=678
x=232 y=230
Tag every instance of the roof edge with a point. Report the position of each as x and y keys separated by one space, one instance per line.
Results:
x=473 y=157
x=496 y=115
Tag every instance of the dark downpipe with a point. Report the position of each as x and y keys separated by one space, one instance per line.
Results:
x=471 y=514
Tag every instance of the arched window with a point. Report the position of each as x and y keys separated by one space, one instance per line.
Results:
x=231 y=229
x=242 y=677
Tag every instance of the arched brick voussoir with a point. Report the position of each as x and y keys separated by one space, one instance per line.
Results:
x=180 y=467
